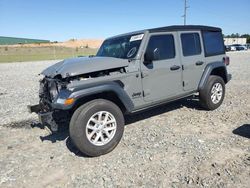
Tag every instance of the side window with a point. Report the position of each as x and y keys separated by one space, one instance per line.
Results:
x=191 y=44
x=213 y=43
x=161 y=46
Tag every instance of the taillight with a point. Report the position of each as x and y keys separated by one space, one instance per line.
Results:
x=226 y=60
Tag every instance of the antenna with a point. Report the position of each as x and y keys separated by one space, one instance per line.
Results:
x=185 y=12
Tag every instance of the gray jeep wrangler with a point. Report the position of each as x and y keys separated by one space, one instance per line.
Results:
x=130 y=73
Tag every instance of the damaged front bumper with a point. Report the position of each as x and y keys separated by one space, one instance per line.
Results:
x=45 y=118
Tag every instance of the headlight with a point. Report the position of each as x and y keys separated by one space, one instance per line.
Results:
x=53 y=91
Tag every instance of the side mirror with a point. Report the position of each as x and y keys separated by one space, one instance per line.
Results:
x=148 y=57
x=151 y=56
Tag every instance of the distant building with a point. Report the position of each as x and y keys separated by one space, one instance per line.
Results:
x=230 y=41
x=12 y=40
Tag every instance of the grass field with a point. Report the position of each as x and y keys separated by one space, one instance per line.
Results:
x=20 y=54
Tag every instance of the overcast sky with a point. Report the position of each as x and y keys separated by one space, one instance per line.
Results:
x=65 y=19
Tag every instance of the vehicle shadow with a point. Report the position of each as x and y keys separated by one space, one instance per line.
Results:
x=243 y=131
x=61 y=135
x=190 y=102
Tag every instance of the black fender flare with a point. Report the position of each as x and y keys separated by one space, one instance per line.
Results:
x=208 y=70
x=100 y=88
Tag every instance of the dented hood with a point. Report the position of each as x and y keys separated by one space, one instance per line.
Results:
x=83 y=65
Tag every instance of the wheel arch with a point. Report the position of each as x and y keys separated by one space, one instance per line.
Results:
x=111 y=91
x=216 y=69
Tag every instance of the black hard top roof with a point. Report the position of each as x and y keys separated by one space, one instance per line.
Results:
x=173 y=28
x=184 y=28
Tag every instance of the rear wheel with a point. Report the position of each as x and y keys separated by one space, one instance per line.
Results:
x=212 y=96
x=97 y=127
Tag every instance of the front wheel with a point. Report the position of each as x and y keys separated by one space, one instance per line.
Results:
x=97 y=127
x=212 y=96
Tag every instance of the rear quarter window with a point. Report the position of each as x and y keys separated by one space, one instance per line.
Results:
x=213 y=43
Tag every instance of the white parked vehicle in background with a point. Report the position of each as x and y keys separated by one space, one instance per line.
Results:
x=232 y=48
x=239 y=47
x=247 y=46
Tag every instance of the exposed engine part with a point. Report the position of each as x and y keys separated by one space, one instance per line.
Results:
x=96 y=74
x=50 y=87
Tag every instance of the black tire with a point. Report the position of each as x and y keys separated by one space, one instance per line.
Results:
x=205 y=94
x=78 y=124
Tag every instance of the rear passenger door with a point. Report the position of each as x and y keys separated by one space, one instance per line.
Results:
x=162 y=78
x=193 y=59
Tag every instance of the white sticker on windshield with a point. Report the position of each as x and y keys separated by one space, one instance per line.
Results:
x=136 y=37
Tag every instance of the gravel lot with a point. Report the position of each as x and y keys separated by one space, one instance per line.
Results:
x=176 y=145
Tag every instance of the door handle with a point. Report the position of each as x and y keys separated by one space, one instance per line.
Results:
x=198 y=63
x=175 y=67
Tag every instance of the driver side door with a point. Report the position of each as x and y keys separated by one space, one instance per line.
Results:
x=162 y=77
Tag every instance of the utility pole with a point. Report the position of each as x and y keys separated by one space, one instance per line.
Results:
x=185 y=12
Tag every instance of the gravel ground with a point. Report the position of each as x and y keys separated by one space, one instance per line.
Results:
x=176 y=145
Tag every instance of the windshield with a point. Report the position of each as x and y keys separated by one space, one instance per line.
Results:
x=125 y=47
